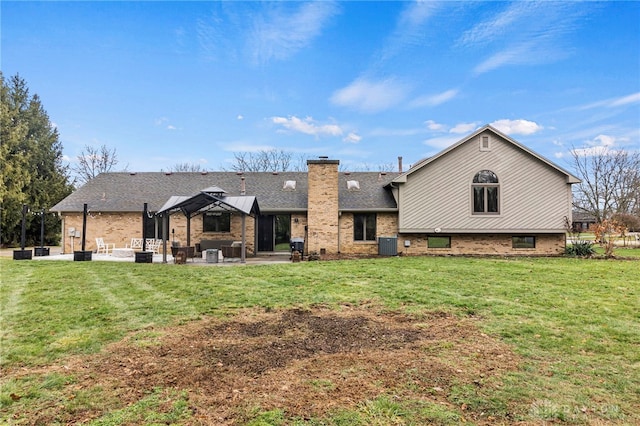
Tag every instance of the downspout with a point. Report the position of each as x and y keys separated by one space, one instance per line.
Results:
x=339 y=216
x=242 y=254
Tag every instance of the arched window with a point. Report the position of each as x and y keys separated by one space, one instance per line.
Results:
x=486 y=193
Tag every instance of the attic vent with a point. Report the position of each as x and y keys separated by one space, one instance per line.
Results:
x=289 y=185
x=484 y=143
x=353 y=185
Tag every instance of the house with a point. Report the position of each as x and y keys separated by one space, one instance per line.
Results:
x=486 y=194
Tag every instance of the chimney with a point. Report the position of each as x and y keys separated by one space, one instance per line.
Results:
x=243 y=188
x=322 y=206
x=400 y=164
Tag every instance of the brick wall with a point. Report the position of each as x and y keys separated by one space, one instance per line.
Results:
x=119 y=228
x=115 y=228
x=386 y=226
x=322 y=206
x=495 y=244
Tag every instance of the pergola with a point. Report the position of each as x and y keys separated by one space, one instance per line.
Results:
x=208 y=199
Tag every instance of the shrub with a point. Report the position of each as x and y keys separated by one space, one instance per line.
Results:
x=580 y=248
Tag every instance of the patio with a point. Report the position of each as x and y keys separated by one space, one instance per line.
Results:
x=56 y=254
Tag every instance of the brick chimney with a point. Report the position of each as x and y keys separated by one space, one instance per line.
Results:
x=322 y=206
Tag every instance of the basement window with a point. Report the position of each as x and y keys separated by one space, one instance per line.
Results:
x=438 y=242
x=289 y=185
x=523 y=242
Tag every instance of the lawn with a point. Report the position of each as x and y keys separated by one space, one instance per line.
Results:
x=419 y=340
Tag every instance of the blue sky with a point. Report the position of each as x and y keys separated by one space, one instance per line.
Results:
x=362 y=82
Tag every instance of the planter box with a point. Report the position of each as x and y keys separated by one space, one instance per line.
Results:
x=41 y=251
x=22 y=254
x=144 y=257
x=82 y=255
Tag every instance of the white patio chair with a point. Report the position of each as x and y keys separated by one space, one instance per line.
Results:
x=153 y=245
x=136 y=244
x=104 y=247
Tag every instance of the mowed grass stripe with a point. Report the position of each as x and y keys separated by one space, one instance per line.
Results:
x=10 y=300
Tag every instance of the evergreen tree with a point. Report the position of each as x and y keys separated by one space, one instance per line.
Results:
x=33 y=171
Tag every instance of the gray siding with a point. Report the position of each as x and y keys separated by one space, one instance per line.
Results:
x=533 y=195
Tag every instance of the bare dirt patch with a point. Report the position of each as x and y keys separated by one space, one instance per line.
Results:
x=304 y=362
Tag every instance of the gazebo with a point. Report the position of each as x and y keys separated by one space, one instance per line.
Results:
x=209 y=198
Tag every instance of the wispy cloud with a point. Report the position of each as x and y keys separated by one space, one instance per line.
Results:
x=524 y=33
x=613 y=102
x=164 y=122
x=495 y=26
x=282 y=32
x=436 y=127
x=441 y=142
x=409 y=28
x=434 y=100
x=517 y=127
x=371 y=96
x=352 y=138
x=267 y=31
x=308 y=126
x=461 y=128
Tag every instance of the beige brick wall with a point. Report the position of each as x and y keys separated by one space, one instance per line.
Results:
x=297 y=228
x=119 y=228
x=386 y=226
x=115 y=228
x=500 y=244
x=322 y=206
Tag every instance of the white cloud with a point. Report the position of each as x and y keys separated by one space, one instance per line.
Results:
x=434 y=100
x=464 y=128
x=164 y=122
x=370 y=96
x=517 y=127
x=240 y=117
x=307 y=126
x=241 y=146
x=432 y=125
x=600 y=145
x=441 y=142
x=352 y=138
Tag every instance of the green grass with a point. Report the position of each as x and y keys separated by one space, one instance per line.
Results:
x=575 y=322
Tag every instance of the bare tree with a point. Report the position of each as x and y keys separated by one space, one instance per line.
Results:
x=92 y=161
x=187 y=167
x=262 y=161
x=610 y=182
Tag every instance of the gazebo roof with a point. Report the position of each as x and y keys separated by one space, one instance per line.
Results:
x=207 y=198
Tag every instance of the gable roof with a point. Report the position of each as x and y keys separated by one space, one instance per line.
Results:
x=127 y=192
x=422 y=163
x=211 y=197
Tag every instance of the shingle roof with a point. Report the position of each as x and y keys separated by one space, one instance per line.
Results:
x=127 y=192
